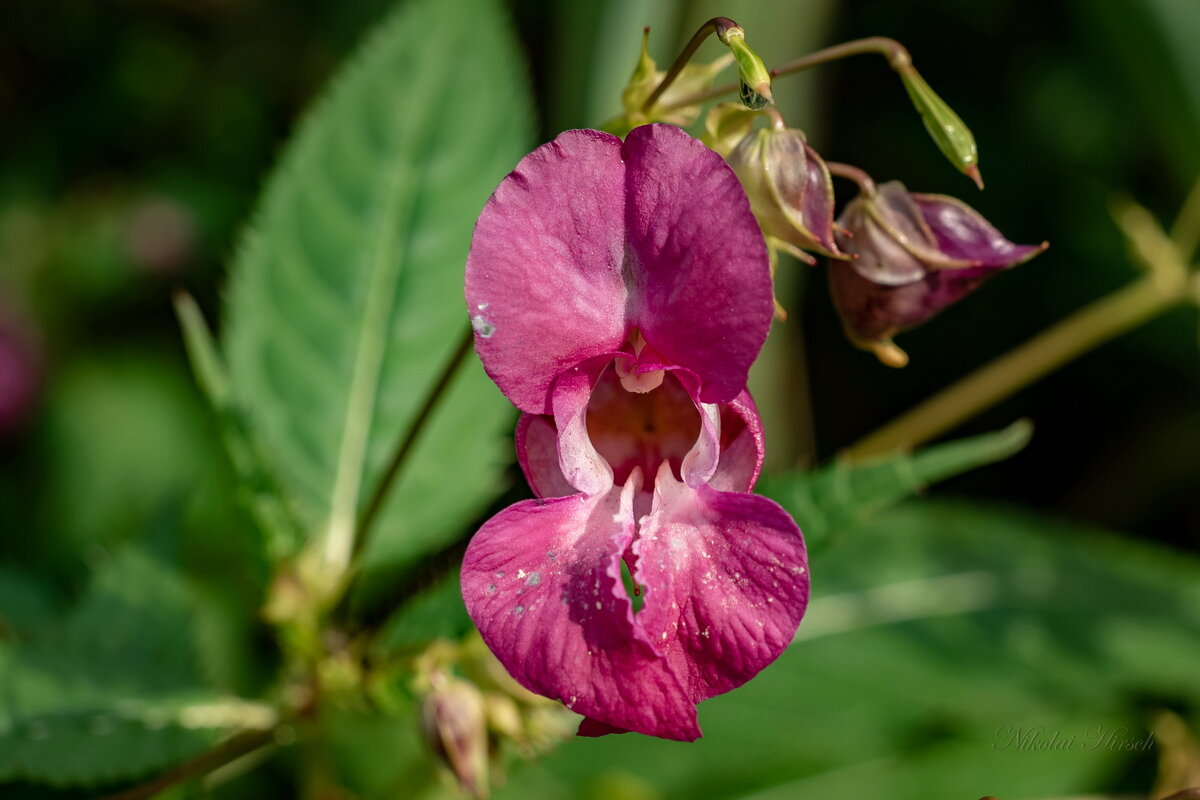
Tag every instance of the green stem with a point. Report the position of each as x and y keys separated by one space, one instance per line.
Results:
x=895 y=53
x=1185 y=233
x=866 y=184
x=375 y=505
x=230 y=750
x=717 y=25
x=1087 y=328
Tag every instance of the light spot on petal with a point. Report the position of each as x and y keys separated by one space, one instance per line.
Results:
x=482 y=327
x=519 y=610
x=534 y=579
x=491 y=589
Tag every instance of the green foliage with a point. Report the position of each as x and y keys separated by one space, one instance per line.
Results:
x=126 y=438
x=833 y=497
x=436 y=612
x=935 y=630
x=345 y=304
x=114 y=691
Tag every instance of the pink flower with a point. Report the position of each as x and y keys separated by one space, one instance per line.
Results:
x=619 y=293
x=914 y=255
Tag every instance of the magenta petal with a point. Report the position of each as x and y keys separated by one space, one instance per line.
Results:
x=742 y=446
x=872 y=312
x=702 y=291
x=726 y=581
x=594 y=727
x=542 y=582
x=547 y=256
x=537 y=453
x=962 y=233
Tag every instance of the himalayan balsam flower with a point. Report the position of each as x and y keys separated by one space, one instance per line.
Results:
x=619 y=293
x=914 y=255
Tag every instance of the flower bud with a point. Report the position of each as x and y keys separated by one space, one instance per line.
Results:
x=726 y=125
x=753 y=77
x=454 y=721
x=950 y=133
x=20 y=370
x=914 y=254
x=790 y=191
x=692 y=79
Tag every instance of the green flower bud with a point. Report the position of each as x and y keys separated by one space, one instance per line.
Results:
x=952 y=136
x=752 y=72
x=693 y=79
x=726 y=125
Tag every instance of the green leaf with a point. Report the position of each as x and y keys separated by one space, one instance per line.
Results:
x=935 y=631
x=25 y=603
x=256 y=484
x=835 y=496
x=115 y=692
x=346 y=298
x=435 y=613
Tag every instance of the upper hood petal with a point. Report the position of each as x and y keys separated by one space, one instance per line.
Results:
x=590 y=238
x=702 y=294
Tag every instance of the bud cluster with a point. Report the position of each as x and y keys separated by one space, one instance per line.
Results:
x=469 y=705
x=896 y=258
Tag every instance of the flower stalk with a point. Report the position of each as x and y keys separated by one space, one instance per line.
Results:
x=754 y=80
x=948 y=131
x=402 y=451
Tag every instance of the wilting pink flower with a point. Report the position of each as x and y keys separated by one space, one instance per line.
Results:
x=914 y=254
x=619 y=293
x=790 y=190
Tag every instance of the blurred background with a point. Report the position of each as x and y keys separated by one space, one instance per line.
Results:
x=136 y=134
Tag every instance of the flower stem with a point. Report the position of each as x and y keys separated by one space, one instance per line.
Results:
x=895 y=53
x=717 y=25
x=410 y=438
x=865 y=183
x=1085 y=329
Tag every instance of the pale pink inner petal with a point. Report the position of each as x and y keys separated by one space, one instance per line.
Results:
x=742 y=446
x=582 y=465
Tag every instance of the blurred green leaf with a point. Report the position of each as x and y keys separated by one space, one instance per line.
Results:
x=115 y=691
x=833 y=497
x=346 y=299
x=25 y=603
x=126 y=439
x=937 y=630
x=1152 y=45
x=259 y=492
x=437 y=612
x=355 y=741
